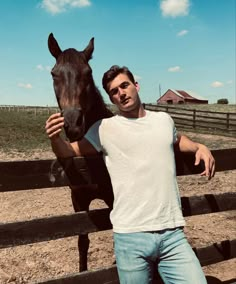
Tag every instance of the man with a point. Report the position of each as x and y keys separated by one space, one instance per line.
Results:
x=137 y=146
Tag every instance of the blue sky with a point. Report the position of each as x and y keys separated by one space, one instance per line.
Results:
x=175 y=44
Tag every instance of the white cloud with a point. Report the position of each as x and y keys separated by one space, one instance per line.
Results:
x=40 y=67
x=174 y=69
x=217 y=84
x=182 y=33
x=174 y=8
x=60 y=6
x=229 y=82
x=80 y=3
x=25 y=86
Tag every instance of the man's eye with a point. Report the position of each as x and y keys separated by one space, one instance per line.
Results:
x=113 y=92
x=124 y=85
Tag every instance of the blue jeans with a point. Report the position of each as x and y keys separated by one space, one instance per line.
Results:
x=138 y=255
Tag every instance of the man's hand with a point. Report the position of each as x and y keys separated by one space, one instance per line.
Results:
x=61 y=147
x=204 y=154
x=54 y=125
x=201 y=153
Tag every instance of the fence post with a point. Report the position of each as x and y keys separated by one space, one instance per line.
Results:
x=194 y=118
x=227 y=120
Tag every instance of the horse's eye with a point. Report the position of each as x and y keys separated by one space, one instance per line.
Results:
x=54 y=72
x=87 y=71
x=55 y=75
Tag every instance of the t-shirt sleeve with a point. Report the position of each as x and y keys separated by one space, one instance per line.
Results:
x=93 y=135
x=175 y=133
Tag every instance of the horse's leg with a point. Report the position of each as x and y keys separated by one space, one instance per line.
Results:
x=81 y=199
x=83 y=246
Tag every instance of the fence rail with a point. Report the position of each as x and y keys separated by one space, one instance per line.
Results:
x=22 y=175
x=213 y=121
x=29 y=109
x=199 y=119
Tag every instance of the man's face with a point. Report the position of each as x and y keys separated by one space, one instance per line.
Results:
x=124 y=93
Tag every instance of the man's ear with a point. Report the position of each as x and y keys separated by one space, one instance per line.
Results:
x=137 y=86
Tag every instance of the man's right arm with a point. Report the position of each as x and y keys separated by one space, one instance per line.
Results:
x=62 y=148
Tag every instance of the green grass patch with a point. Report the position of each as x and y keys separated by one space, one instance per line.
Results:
x=23 y=131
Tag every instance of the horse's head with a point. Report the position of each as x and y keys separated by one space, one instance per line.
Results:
x=73 y=83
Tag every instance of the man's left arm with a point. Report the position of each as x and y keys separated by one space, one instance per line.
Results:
x=184 y=144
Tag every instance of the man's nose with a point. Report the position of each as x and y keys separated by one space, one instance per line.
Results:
x=121 y=92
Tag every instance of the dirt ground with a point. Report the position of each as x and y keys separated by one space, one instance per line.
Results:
x=31 y=263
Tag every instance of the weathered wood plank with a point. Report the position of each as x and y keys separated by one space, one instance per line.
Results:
x=44 y=229
x=216 y=252
x=100 y=276
x=208 y=203
x=24 y=175
x=211 y=254
x=55 y=227
x=225 y=160
x=18 y=175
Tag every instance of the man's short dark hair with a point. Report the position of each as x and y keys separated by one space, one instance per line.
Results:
x=113 y=72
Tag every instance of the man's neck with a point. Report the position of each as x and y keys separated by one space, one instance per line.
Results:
x=137 y=113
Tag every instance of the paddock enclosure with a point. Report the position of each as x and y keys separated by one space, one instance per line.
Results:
x=199 y=119
x=20 y=176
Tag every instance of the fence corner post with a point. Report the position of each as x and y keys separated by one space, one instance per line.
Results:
x=194 y=118
x=227 y=120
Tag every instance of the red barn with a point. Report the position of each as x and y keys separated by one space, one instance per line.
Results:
x=179 y=97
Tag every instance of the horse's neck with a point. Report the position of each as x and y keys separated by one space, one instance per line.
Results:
x=98 y=110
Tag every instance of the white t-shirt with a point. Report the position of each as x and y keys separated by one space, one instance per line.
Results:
x=140 y=160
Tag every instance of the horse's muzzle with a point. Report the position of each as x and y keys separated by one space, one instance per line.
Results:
x=74 y=123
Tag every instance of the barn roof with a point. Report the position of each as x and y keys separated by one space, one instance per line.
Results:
x=185 y=95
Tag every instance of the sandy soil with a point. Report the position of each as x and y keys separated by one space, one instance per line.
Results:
x=26 y=264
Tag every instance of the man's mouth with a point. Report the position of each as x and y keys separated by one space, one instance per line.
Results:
x=125 y=101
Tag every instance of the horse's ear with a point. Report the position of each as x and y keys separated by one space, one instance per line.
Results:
x=88 y=51
x=53 y=46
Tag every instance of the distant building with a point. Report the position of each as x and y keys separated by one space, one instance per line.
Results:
x=179 y=97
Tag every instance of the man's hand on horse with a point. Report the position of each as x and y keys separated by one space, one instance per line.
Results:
x=54 y=125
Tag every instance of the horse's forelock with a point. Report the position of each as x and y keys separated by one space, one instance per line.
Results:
x=72 y=56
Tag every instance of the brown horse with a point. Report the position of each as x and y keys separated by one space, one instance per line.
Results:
x=81 y=105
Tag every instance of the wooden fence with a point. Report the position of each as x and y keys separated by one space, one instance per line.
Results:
x=29 y=109
x=23 y=175
x=213 y=121
x=198 y=119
